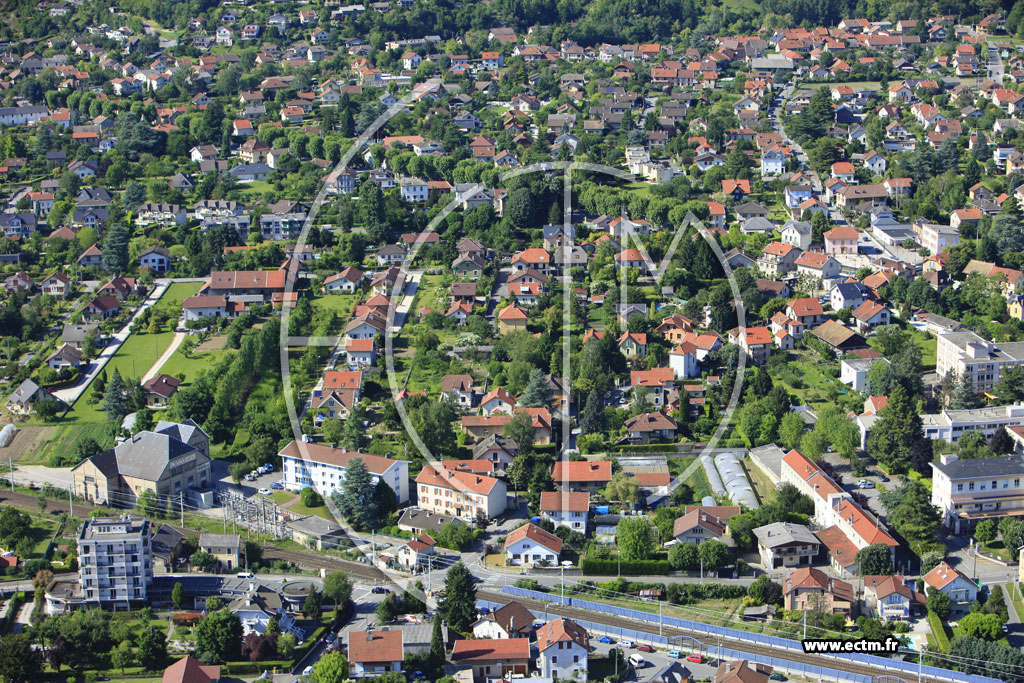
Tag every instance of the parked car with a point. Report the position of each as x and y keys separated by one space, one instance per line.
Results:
x=777 y=676
x=277 y=485
x=697 y=659
x=627 y=643
x=882 y=477
x=607 y=640
x=264 y=492
x=380 y=590
x=645 y=648
x=245 y=575
x=865 y=484
x=675 y=654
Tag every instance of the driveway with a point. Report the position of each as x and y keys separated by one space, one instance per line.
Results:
x=154 y=370
x=71 y=394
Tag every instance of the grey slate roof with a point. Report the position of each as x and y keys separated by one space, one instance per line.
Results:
x=784 y=533
x=1011 y=465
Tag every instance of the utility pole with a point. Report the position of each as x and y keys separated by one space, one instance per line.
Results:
x=805 y=624
x=71 y=502
x=428 y=575
x=661 y=621
x=181 y=504
x=10 y=461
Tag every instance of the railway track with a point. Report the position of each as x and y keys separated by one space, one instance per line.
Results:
x=360 y=571
x=366 y=573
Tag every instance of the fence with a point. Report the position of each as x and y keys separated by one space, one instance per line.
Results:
x=910 y=669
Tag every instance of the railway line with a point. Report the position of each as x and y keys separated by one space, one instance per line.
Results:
x=364 y=572
x=360 y=571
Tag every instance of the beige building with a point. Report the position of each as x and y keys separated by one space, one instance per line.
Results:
x=812 y=589
x=226 y=548
x=460 y=494
x=169 y=462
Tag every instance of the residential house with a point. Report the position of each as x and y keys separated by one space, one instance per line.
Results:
x=962 y=591
x=564 y=647
x=529 y=545
x=812 y=589
x=566 y=508
x=783 y=544
x=375 y=652
x=583 y=475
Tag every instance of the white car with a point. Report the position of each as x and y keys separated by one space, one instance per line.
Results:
x=626 y=643
x=264 y=492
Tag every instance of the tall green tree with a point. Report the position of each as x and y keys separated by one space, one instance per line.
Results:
x=874 y=560
x=115 y=398
x=152 y=648
x=178 y=595
x=635 y=538
x=356 y=499
x=458 y=606
x=593 y=420
x=219 y=637
x=537 y=391
x=896 y=432
x=115 y=249
x=19 y=662
x=338 y=588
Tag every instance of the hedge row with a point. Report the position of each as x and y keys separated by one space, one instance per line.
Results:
x=634 y=568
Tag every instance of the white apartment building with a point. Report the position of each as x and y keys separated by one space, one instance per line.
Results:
x=968 y=354
x=950 y=425
x=115 y=560
x=323 y=468
x=967 y=491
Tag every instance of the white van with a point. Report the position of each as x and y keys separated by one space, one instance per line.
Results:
x=637 y=661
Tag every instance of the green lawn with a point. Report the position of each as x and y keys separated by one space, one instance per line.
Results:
x=139 y=351
x=189 y=367
x=282 y=497
x=256 y=187
x=342 y=304
x=927 y=343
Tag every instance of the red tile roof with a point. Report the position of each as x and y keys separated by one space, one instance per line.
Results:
x=537 y=535
x=582 y=471
x=366 y=647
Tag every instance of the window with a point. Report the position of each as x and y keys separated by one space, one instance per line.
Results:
x=554 y=659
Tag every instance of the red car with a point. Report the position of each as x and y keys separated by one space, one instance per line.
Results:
x=645 y=648
x=699 y=659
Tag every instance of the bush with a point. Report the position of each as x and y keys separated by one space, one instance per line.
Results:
x=311 y=498
x=633 y=568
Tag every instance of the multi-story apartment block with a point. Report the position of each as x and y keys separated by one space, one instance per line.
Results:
x=950 y=425
x=460 y=494
x=323 y=468
x=982 y=362
x=968 y=491
x=115 y=560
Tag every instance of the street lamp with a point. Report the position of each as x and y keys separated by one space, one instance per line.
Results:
x=550 y=604
x=565 y=563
